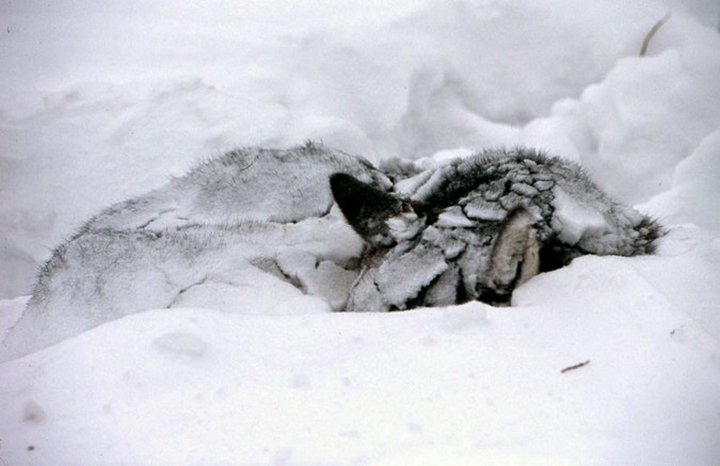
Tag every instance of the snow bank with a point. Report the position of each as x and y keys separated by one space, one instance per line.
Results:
x=633 y=128
x=469 y=383
x=694 y=197
x=102 y=102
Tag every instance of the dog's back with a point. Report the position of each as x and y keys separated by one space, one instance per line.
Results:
x=265 y=214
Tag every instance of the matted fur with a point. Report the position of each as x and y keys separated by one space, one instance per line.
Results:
x=473 y=228
x=477 y=227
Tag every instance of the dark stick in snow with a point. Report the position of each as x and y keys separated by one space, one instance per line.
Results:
x=652 y=32
x=576 y=366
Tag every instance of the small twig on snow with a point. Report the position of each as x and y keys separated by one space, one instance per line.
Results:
x=576 y=366
x=652 y=32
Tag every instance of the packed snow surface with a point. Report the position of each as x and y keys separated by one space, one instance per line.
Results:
x=607 y=361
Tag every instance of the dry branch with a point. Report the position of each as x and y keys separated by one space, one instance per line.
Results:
x=576 y=366
x=652 y=32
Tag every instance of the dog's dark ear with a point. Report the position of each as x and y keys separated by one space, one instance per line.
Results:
x=365 y=207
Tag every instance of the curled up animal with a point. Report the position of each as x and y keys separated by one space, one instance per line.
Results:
x=331 y=225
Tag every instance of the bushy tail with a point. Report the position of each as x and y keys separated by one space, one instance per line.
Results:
x=649 y=231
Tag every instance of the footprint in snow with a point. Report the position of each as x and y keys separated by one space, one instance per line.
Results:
x=182 y=344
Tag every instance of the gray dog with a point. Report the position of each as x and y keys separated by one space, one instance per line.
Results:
x=469 y=229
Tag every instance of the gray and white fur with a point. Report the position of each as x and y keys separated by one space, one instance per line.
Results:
x=249 y=215
x=475 y=228
x=470 y=229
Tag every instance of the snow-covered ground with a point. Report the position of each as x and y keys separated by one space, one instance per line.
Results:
x=101 y=101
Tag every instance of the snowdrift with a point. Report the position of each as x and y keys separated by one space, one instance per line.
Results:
x=102 y=103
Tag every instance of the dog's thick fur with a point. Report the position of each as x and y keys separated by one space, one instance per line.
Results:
x=472 y=228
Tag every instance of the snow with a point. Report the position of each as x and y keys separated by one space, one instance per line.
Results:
x=102 y=102
x=575 y=219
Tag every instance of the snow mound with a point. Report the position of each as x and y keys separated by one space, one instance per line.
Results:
x=348 y=388
x=120 y=97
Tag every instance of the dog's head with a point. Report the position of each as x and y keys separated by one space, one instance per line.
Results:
x=446 y=243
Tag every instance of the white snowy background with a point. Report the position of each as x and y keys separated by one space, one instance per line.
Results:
x=103 y=100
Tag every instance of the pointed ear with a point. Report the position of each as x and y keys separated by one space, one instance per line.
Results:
x=365 y=207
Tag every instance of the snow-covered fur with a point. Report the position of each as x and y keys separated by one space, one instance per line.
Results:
x=252 y=225
x=476 y=228
x=266 y=221
x=248 y=184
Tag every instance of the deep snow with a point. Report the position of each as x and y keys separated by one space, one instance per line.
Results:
x=100 y=102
